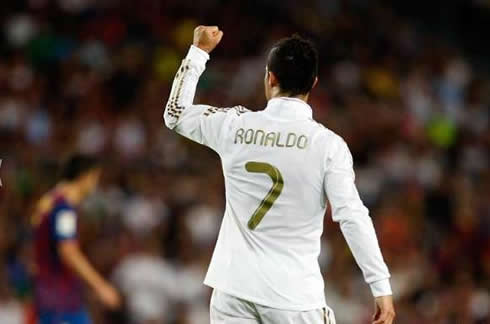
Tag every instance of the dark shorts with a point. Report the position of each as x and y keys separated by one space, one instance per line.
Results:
x=79 y=317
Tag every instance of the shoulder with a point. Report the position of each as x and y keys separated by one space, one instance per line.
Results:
x=335 y=147
x=63 y=207
x=332 y=139
x=59 y=206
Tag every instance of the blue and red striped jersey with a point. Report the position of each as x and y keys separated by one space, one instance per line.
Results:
x=57 y=288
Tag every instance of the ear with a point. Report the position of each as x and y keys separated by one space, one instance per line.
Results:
x=272 y=79
x=315 y=82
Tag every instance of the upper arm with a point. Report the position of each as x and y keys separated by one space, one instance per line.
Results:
x=207 y=125
x=339 y=180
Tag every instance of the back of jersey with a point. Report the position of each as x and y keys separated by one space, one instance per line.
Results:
x=269 y=243
x=279 y=166
x=57 y=288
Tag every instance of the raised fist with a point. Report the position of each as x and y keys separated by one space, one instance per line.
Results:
x=207 y=37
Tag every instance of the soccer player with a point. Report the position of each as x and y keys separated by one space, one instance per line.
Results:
x=280 y=167
x=59 y=262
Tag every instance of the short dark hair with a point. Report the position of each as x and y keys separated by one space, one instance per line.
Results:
x=76 y=165
x=294 y=62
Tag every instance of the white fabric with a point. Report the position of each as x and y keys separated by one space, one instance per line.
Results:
x=226 y=309
x=11 y=312
x=66 y=223
x=276 y=264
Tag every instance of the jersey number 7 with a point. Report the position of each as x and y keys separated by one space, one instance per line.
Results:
x=274 y=192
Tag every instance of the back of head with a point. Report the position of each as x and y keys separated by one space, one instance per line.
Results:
x=294 y=62
x=77 y=165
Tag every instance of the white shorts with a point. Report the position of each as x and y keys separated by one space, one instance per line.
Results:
x=226 y=309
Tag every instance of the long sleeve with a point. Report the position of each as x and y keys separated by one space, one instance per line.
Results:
x=201 y=123
x=355 y=223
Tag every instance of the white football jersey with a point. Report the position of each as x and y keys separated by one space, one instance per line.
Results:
x=279 y=167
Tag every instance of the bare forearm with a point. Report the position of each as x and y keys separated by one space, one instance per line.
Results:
x=72 y=256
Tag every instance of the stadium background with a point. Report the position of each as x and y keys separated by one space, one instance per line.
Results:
x=405 y=83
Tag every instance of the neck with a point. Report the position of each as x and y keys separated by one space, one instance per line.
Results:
x=71 y=192
x=276 y=93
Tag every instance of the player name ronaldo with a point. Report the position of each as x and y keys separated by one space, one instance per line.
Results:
x=272 y=139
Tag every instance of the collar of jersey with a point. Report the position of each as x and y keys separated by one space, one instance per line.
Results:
x=288 y=108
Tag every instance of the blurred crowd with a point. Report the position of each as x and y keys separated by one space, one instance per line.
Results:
x=93 y=76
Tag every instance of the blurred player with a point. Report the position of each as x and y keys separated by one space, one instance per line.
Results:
x=279 y=167
x=60 y=263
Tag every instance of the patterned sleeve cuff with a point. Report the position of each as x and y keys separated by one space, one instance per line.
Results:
x=381 y=288
x=197 y=55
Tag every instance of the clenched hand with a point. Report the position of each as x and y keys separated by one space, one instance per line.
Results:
x=207 y=37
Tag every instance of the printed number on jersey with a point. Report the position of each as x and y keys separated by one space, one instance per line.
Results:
x=274 y=192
